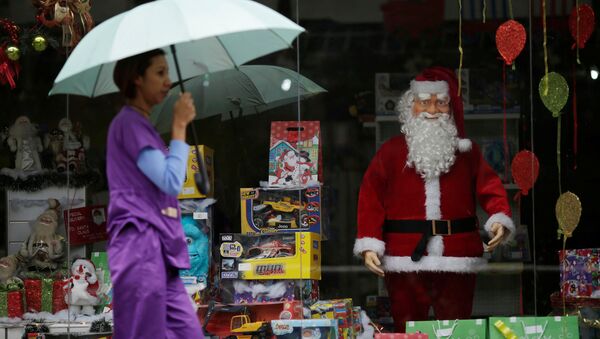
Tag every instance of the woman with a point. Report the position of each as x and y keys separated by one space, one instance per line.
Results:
x=146 y=246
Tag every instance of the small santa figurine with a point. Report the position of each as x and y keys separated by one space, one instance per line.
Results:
x=82 y=288
x=417 y=222
x=23 y=140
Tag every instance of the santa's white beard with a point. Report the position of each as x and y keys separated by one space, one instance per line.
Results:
x=432 y=144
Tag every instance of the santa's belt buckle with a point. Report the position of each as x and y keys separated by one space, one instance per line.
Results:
x=170 y=212
x=434 y=229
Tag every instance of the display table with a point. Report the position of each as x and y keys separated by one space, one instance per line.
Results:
x=57 y=330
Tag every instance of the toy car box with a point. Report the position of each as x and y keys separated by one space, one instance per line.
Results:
x=270 y=210
x=307 y=328
x=270 y=256
x=189 y=190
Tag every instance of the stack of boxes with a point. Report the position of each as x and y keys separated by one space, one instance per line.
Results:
x=277 y=255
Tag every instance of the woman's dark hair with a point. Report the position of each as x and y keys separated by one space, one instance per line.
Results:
x=128 y=69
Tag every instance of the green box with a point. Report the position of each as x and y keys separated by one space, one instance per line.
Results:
x=537 y=327
x=450 y=329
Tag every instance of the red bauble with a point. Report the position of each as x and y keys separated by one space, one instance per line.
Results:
x=586 y=24
x=510 y=40
x=525 y=169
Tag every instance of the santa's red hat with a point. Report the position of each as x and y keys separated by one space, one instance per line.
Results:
x=438 y=80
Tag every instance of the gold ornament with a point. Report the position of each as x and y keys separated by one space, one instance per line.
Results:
x=39 y=43
x=568 y=212
x=13 y=53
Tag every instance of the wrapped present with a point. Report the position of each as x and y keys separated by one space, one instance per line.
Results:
x=401 y=336
x=467 y=328
x=533 y=327
x=580 y=272
x=306 y=328
x=12 y=299
x=339 y=309
x=45 y=295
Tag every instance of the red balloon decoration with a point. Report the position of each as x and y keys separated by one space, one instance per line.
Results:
x=525 y=169
x=510 y=40
x=586 y=24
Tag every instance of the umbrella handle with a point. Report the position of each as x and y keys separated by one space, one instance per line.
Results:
x=201 y=175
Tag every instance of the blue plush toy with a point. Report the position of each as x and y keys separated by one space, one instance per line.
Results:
x=197 y=242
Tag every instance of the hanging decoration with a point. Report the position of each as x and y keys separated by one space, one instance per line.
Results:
x=554 y=92
x=568 y=212
x=460 y=49
x=525 y=170
x=545 y=48
x=9 y=53
x=72 y=16
x=581 y=26
x=510 y=40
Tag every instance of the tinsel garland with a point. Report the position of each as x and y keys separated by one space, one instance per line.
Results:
x=100 y=326
x=37 y=182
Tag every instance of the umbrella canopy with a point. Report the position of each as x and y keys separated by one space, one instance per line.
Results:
x=208 y=36
x=252 y=88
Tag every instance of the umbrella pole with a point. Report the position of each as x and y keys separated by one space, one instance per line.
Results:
x=201 y=176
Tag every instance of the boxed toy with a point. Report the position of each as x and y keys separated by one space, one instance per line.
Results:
x=306 y=328
x=190 y=191
x=270 y=256
x=580 y=272
x=339 y=309
x=266 y=210
x=256 y=291
x=295 y=154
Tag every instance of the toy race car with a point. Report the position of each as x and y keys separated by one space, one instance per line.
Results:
x=283 y=214
x=272 y=249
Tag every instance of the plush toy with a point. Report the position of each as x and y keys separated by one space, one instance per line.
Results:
x=82 y=288
x=8 y=269
x=44 y=248
x=73 y=149
x=23 y=140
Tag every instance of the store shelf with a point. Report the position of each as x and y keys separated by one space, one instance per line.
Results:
x=491 y=116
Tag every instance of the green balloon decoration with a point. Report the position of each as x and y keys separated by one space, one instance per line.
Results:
x=555 y=95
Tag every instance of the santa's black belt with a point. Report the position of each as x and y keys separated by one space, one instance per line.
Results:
x=429 y=228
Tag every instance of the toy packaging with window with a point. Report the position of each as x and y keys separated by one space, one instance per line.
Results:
x=257 y=291
x=307 y=328
x=189 y=190
x=338 y=309
x=267 y=210
x=295 y=154
x=270 y=256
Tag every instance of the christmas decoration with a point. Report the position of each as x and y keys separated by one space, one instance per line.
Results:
x=73 y=16
x=100 y=326
x=581 y=24
x=82 y=288
x=39 y=43
x=510 y=40
x=525 y=169
x=9 y=53
x=23 y=140
x=39 y=181
x=568 y=212
x=554 y=92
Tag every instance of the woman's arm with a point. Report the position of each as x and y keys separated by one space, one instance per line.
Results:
x=166 y=172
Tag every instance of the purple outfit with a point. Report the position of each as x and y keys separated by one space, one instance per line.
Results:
x=146 y=245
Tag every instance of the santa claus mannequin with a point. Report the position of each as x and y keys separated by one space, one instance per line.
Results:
x=417 y=223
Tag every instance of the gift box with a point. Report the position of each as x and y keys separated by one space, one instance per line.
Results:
x=266 y=210
x=100 y=260
x=270 y=256
x=403 y=336
x=295 y=154
x=189 y=190
x=44 y=295
x=580 y=272
x=86 y=224
x=467 y=328
x=12 y=299
x=306 y=328
x=534 y=327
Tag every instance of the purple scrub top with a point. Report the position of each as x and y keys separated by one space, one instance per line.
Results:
x=133 y=197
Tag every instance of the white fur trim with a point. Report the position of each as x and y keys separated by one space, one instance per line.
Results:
x=434 y=264
x=435 y=246
x=432 y=87
x=504 y=220
x=464 y=145
x=369 y=244
x=432 y=199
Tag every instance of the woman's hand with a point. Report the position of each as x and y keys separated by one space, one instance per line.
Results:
x=184 y=112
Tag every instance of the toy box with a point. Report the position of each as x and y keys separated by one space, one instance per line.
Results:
x=338 y=309
x=190 y=191
x=580 y=272
x=266 y=210
x=270 y=256
x=307 y=328
x=256 y=291
x=295 y=154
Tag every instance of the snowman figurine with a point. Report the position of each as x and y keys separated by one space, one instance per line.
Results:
x=83 y=286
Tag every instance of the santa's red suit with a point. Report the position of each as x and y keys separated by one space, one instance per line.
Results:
x=393 y=192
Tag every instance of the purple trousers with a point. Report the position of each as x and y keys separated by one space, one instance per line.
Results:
x=149 y=299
